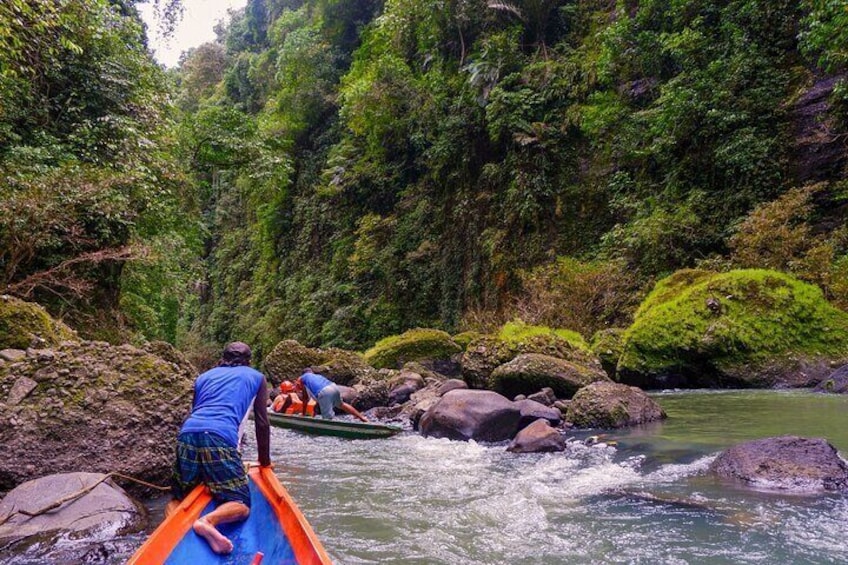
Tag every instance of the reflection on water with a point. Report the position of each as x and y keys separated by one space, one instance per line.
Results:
x=413 y=500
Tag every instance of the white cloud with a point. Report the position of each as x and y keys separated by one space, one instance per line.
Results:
x=194 y=29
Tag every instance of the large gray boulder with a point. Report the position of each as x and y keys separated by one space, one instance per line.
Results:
x=612 y=405
x=532 y=411
x=480 y=415
x=784 y=463
x=106 y=506
x=538 y=437
x=91 y=406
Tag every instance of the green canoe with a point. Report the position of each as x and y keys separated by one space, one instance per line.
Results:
x=340 y=428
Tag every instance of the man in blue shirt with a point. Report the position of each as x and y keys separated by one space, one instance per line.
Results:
x=325 y=393
x=207 y=447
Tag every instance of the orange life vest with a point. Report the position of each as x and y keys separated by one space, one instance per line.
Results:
x=296 y=406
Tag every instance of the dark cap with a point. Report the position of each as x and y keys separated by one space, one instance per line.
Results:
x=237 y=351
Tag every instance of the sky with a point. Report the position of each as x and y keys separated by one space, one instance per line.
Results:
x=199 y=18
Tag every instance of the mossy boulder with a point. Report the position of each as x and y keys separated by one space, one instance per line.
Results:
x=486 y=353
x=90 y=406
x=462 y=339
x=531 y=372
x=612 y=405
x=25 y=324
x=423 y=345
x=289 y=358
x=607 y=345
x=744 y=328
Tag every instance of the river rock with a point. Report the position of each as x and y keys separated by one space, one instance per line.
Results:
x=12 y=355
x=532 y=411
x=20 y=390
x=744 y=328
x=784 y=463
x=545 y=396
x=530 y=372
x=95 y=408
x=538 y=437
x=402 y=387
x=612 y=405
x=105 y=506
x=836 y=383
x=451 y=384
x=480 y=415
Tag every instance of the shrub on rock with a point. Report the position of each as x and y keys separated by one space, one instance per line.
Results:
x=26 y=324
x=531 y=372
x=784 y=463
x=423 y=345
x=612 y=405
x=754 y=328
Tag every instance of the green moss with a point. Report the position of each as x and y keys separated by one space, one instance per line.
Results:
x=671 y=286
x=22 y=322
x=464 y=338
x=608 y=345
x=723 y=321
x=517 y=332
x=413 y=345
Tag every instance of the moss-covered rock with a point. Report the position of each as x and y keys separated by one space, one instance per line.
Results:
x=464 y=338
x=607 y=345
x=751 y=328
x=419 y=344
x=25 y=324
x=289 y=358
x=531 y=372
x=486 y=353
x=612 y=405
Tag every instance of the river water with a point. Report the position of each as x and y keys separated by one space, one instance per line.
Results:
x=636 y=496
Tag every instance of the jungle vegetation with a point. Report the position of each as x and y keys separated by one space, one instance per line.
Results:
x=338 y=171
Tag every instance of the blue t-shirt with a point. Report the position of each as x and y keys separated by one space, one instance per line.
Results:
x=315 y=383
x=222 y=397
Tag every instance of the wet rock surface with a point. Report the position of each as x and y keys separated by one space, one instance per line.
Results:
x=480 y=415
x=538 y=437
x=612 y=405
x=785 y=463
x=106 y=506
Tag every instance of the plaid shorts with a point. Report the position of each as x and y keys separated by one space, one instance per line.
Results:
x=204 y=457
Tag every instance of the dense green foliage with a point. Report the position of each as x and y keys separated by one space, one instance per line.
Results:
x=372 y=167
x=87 y=180
x=349 y=169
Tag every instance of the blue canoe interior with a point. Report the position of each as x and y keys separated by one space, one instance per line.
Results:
x=276 y=528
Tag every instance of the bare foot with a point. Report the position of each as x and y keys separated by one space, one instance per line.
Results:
x=217 y=541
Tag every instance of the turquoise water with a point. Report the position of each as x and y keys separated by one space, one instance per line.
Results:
x=635 y=496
